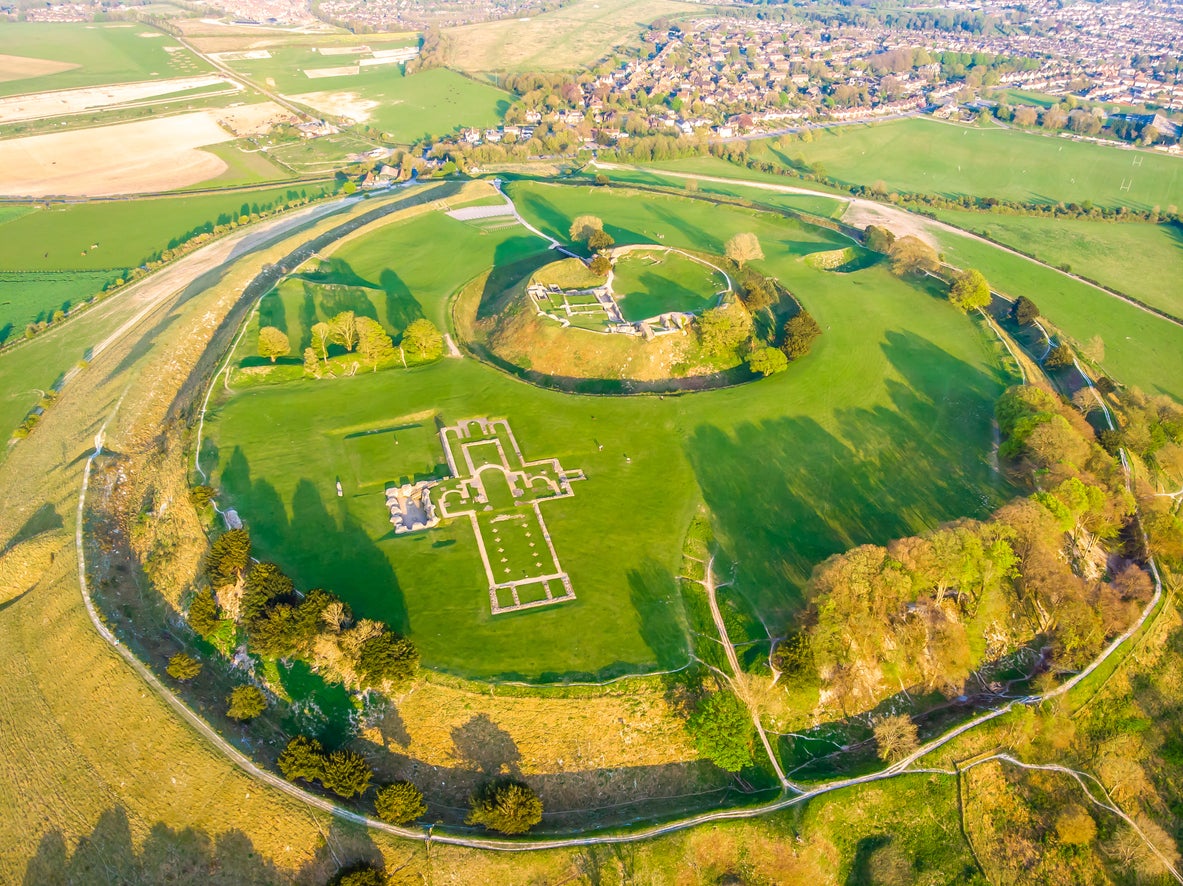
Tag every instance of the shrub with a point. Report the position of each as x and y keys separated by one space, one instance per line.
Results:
x=245 y=703
x=265 y=582
x=1024 y=311
x=399 y=803
x=201 y=496
x=1060 y=356
x=359 y=875
x=387 y=658
x=768 y=361
x=203 y=613
x=302 y=758
x=800 y=332
x=723 y=731
x=183 y=667
x=346 y=773
x=228 y=556
x=507 y=806
x=895 y=737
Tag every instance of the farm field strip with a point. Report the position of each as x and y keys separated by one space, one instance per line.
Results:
x=80 y=100
x=124 y=158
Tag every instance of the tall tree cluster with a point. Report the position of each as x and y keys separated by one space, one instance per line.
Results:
x=280 y=623
x=926 y=612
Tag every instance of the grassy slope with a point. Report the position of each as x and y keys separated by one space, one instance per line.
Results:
x=932 y=157
x=1141 y=260
x=577 y=35
x=1140 y=349
x=110 y=53
x=865 y=440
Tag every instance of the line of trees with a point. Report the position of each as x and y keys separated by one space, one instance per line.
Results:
x=505 y=805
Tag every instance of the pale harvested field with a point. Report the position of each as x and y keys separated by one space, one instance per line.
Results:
x=575 y=36
x=17 y=67
x=127 y=158
x=74 y=101
x=337 y=104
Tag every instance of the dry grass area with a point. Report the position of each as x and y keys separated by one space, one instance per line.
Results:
x=18 y=67
x=90 y=751
x=126 y=158
x=575 y=36
x=337 y=104
x=74 y=101
x=625 y=745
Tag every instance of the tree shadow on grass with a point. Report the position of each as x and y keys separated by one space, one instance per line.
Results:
x=787 y=493
x=510 y=274
x=654 y=595
x=482 y=744
x=110 y=854
x=315 y=547
x=402 y=308
x=272 y=312
x=43 y=519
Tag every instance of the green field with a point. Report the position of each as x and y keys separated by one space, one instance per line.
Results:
x=105 y=53
x=940 y=158
x=26 y=298
x=1138 y=259
x=870 y=437
x=432 y=102
x=127 y=232
x=1140 y=348
x=47 y=257
x=649 y=283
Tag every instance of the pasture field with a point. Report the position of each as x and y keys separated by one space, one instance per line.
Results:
x=648 y=283
x=941 y=158
x=93 y=53
x=573 y=37
x=127 y=232
x=864 y=440
x=1139 y=259
x=29 y=297
x=431 y=102
x=1140 y=348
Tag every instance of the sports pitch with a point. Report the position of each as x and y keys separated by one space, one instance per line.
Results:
x=855 y=443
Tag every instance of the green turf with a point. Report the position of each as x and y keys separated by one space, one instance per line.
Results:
x=105 y=53
x=127 y=232
x=431 y=102
x=29 y=297
x=932 y=157
x=1140 y=348
x=647 y=284
x=1142 y=260
x=882 y=430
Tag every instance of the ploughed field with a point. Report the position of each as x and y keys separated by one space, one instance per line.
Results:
x=885 y=428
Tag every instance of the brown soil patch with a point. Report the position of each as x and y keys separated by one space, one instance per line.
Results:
x=18 y=67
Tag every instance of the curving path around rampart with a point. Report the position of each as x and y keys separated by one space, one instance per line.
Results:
x=905 y=766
